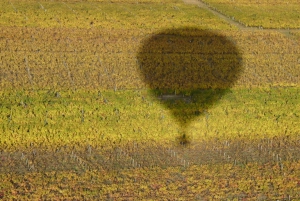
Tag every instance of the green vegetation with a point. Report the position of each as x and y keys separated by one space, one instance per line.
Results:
x=49 y=118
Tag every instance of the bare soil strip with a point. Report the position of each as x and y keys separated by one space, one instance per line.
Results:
x=147 y=155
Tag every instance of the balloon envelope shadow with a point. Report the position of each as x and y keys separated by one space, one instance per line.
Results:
x=188 y=70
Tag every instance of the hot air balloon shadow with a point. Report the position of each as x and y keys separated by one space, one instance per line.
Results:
x=188 y=70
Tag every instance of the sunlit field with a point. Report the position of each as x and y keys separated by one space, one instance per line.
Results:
x=264 y=14
x=149 y=100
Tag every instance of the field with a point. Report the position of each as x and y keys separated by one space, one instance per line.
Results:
x=270 y=14
x=149 y=100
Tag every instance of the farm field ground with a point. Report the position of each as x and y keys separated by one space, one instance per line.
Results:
x=87 y=114
x=264 y=14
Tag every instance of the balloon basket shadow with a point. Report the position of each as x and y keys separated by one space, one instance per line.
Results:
x=187 y=106
x=183 y=139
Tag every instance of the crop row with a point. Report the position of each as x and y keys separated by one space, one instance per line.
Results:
x=56 y=39
x=58 y=118
x=148 y=154
x=100 y=15
x=243 y=2
x=67 y=58
x=101 y=1
x=96 y=173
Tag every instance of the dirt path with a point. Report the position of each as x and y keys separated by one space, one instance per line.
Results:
x=218 y=14
x=240 y=26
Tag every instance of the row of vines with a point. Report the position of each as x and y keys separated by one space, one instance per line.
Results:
x=121 y=15
x=68 y=58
